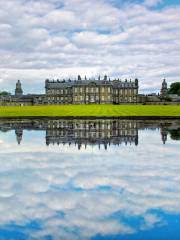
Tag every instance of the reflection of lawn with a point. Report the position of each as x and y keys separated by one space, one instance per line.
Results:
x=91 y=110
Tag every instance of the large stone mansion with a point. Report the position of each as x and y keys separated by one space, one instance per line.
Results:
x=82 y=91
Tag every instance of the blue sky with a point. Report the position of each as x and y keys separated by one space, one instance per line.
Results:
x=129 y=191
x=61 y=39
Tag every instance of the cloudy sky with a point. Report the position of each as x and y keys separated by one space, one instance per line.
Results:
x=65 y=193
x=63 y=38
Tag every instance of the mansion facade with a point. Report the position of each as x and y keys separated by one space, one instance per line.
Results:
x=80 y=91
x=91 y=91
x=88 y=91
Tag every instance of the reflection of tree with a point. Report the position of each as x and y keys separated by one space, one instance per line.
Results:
x=175 y=134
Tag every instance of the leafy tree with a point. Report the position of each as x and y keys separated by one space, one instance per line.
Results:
x=175 y=134
x=4 y=93
x=167 y=99
x=175 y=88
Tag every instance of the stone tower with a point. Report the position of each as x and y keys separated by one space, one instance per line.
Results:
x=19 y=134
x=164 y=89
x=18 y=90
x=164 y=134
x=137 y=82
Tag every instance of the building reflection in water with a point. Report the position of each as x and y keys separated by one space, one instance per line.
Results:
x=86 y=132
x=83 y=132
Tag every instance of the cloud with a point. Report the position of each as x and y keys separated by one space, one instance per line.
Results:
x=151 y=3
x=76 y=194
x=65 y=38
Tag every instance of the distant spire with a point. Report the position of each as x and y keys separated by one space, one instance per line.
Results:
x=18 y=90
x=164 y=89
x=19 y=134
x=105 y=77
x=136 y=82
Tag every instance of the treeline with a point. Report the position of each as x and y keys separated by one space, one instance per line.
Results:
x=174 y=88
x=4 y=93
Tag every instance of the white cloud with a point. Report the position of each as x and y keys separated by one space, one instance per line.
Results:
x=46 y=183
x=129 y=40
x=151 y=3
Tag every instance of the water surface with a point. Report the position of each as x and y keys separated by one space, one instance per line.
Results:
x=89 y=179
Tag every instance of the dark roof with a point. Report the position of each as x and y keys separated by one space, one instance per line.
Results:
x=28 y=97
x=66 y=84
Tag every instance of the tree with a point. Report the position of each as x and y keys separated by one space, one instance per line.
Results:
x=4 y=93
x=175 y=88
x=167 y=99
x=175 y=134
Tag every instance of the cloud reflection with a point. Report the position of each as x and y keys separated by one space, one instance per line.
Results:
x=64 y=193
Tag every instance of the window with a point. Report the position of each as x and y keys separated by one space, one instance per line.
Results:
x=109 y=90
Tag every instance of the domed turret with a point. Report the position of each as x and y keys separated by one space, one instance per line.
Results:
x=19 y=134
x=136 y=82
x=18 y=90
x=164 y=89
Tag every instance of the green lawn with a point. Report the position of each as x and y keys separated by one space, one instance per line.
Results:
x=91 y=110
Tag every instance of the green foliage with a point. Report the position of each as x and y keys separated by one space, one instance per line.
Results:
x=175 y=88
x=90 y=111
x=175 y=134
x=4 y=93
x=167 y=99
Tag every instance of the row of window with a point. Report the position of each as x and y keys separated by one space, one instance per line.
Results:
x=91 y=90
x=98 y=125
x=92 y=98
x=58 y=91
x=125 y=91
x=58 y=98
x=87 y=134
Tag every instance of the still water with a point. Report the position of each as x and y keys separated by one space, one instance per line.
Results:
x=89 y=179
